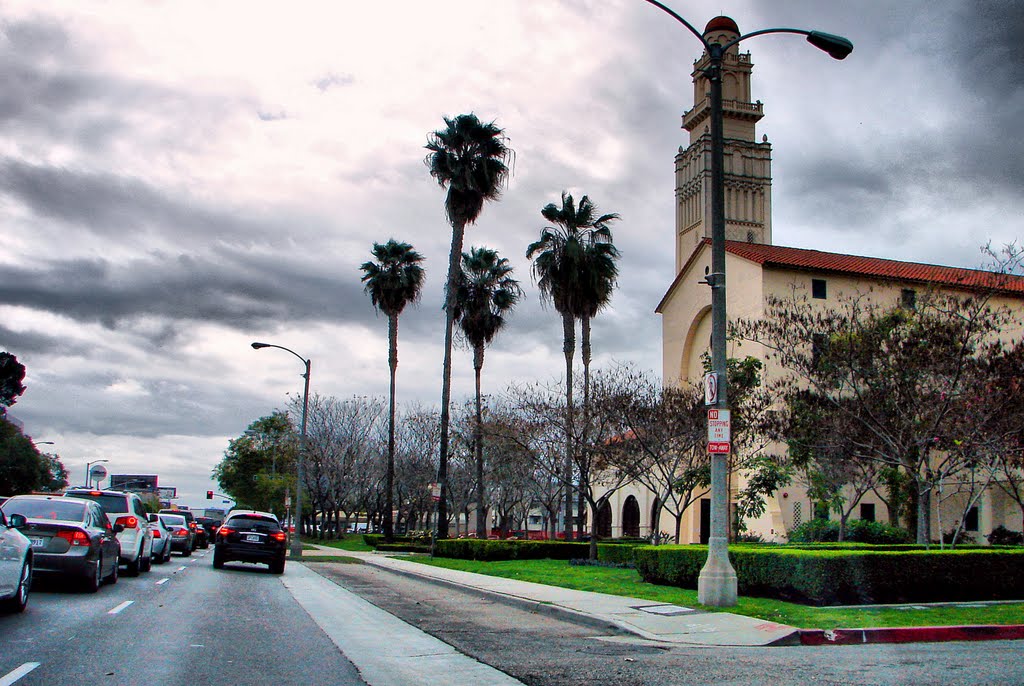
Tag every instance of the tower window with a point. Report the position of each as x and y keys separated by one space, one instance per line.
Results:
x=971 y=520
x=819 y=290
x=908 y=299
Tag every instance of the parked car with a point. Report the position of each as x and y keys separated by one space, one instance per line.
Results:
x=15 y=563
x=251 y=536
x=70 y=537
x=199 y=538
x=161 y=539
x=127 y=510
x=181 y=536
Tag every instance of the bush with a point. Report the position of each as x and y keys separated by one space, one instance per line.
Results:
x=1003 y=536
x=848 y=575
x=374 y=540
x=403 y=547
x=510 y=549
x=857 y=531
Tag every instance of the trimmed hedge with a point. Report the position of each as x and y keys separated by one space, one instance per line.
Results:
x=509 y=549
x=848 y=576
x=403 y=547
x=374 y=540
x=857 y=531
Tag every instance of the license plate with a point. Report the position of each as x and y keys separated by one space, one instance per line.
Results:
x=252 y=538
x=38 y=542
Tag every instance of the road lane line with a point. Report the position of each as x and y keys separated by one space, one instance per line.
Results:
x=180 y=569
x=11 y=677
x=163 y=581
x=120 y=607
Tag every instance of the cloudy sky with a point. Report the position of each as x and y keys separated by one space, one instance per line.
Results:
x=180 y=179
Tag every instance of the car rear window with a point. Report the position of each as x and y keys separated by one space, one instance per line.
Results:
x=253 y=523
x=111 y=504
x=55 y=509
x=173 y=520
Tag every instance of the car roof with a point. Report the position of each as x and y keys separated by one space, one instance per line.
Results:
x=98 y=491
x=250 y=513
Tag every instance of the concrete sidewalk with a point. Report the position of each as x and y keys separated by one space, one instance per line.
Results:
x=669 y=623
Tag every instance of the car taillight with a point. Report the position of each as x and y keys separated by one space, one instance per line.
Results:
x=156 y=533
x=278 y=536
x=224 y=531
x=182 y=532
x=128 y=521
x=76 y=537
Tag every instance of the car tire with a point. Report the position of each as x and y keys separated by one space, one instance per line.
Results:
x=95 y=580
x=112 y=577
x=133 y=567
x=19 y=600
x=218 y=559
x=277 y=567
x=147 y=563
x=187 y=552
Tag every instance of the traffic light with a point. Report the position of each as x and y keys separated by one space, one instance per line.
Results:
x=209 y=495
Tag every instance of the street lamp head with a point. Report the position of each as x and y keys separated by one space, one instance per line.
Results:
x=257 y=346
x=836 y=46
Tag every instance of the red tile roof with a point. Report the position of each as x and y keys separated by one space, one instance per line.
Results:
x=854 y=265
x=798 y=258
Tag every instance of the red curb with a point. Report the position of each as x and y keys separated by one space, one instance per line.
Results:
x=912 y=634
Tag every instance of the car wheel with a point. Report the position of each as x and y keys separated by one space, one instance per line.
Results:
x=112 y=577
x=19 y=600
x=277 y=567
x=218 y=559
x=147 y=563
x=187 y=552
x=94 y=580
x=133 y=567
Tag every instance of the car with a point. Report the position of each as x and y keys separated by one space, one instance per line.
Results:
x=181 y=536
x=199 y=538
x=161 y=539
x=15 y=563
x=251 y=536
x=126 y=509
x=210 y=525
x=70 y=537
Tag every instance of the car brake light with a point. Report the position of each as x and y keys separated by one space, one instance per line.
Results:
x=224 y=531
x=76 y=537
x=182 y=532
x=95 y=492
x=128 y=521
x=278 y=536
x=156 y=533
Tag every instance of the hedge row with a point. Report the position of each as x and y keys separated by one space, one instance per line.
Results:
x=848 y=576
x=404 y=547
x=510 y=549
x=373 y=540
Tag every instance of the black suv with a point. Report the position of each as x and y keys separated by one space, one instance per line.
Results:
x=200 y=539
x=251 y=536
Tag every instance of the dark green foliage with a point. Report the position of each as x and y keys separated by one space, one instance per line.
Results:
x=12 y=373
x=404 y=547
x=491 y=551
x=848 y=576
x=1003 y=536
x=22 y=468
x=857 y=531
x=375 y=540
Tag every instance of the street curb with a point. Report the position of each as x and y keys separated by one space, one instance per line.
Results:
x=912 y=634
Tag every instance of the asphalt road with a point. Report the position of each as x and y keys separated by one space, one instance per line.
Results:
x=543 y=650
x=182 y=624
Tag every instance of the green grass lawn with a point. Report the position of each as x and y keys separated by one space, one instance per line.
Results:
x=627 y=582
x=348 y=542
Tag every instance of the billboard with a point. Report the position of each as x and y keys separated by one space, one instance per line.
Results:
x=133 y=482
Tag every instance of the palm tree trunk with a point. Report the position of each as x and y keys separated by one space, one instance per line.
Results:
x=389 y=505
x=569 y=348
x=478 y=444
x=458 y=234
x=585 y=354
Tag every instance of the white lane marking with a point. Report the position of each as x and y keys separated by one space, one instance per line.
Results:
x=181 y=568
x=120 y=607
x=163 y=581
x=11 y=677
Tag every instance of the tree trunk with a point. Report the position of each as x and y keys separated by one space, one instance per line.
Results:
x=593 y=530
x=458 y=235
x=923 y=513
x=569 y=349
x=389 y=503
x=478 y=445
x=585 y=354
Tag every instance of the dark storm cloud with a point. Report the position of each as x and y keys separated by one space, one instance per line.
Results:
x=20 y=342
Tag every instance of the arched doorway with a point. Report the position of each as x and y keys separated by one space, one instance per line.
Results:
x=656 y=517
x=604 y=521
x=631 y=518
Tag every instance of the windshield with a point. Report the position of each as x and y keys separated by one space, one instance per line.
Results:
x=253 y=523
x=51 y=508
x=111 y=504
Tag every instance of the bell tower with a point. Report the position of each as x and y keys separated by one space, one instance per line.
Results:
x=748 y=177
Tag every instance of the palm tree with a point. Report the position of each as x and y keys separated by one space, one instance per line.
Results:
x=393 y=281
x=574 y=265
x=485 y=296
x=471 y=160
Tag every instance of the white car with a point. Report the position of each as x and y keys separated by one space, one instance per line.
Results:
x=15 y=564
x=127 y=510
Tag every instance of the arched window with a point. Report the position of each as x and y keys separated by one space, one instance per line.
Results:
x=604 y=521
x=631 y=518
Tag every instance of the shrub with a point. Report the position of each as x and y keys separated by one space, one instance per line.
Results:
x=404 y=547
x=1003 y=536
x=857 y=531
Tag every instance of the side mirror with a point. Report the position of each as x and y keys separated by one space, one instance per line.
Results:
x=118 y=528
x=17 y=521
x=152 y=517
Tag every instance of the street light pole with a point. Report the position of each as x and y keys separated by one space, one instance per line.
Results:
x=717 y=585
x=299 y=476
